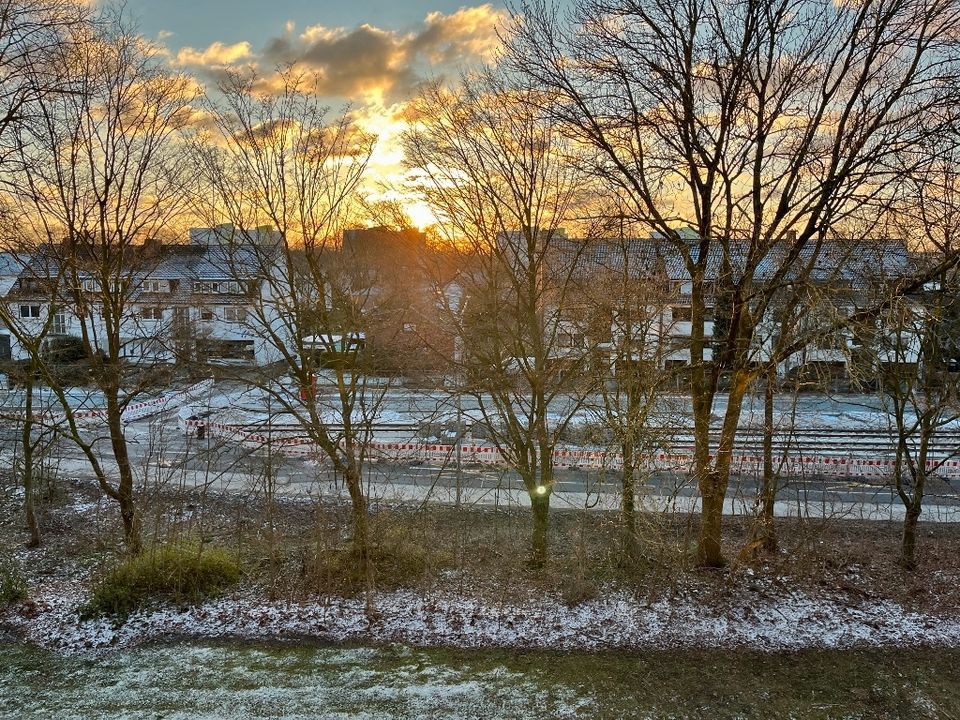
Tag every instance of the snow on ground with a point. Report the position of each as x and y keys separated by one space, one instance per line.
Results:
x=785 y=621
x=191 y=681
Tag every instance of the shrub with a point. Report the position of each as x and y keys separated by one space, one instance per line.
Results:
x=183 y=573
x=13 y=586
x=402 y=558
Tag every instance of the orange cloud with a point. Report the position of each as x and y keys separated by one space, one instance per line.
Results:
x=378 y=70
x=470 y=32
x=217 y=54
x=364 y=62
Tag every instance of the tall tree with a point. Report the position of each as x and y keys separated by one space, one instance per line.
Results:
x=97 y=175
x=495 y=174
x=913 y=347
x=762 y=126
x=32 y=36
x=630 y=293
x=280 y=159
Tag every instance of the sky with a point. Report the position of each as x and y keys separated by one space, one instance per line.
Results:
x=370 y=53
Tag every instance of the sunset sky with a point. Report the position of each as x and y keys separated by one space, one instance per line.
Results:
x=370 y=53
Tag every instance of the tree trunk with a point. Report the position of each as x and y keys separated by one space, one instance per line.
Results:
x=712 y=492
x=765 y=534
x=125 y=489
x=713 y=480
x=540 y=505
x=908 y=542
x=628 y=501
x=361 y=524
x=27 y=441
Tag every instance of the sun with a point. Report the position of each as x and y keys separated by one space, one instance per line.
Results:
x=420 y=214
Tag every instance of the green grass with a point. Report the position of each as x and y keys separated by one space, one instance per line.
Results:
x=401 y=559
x=182 y=573
x=234 y=680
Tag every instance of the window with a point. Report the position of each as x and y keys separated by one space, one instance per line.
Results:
x=60 y=323
x=155 y=286
x=151 y=313
x=29 y=311
x=233 y=313
x=206 y=288
x=141 y=348
x=221 y=287
x=225 y=350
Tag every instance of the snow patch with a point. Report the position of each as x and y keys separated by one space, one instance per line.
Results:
x=618 y=620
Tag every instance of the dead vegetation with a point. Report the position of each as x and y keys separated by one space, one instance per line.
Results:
x=479 y=552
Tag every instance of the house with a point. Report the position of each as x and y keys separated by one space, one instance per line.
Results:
x=396 y=283
x=175 y=301
x=639 y=291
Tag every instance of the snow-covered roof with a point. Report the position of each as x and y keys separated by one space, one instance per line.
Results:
x=10 y=264
x=858 y=264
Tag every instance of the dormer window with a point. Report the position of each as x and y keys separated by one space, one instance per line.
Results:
x=219 y=287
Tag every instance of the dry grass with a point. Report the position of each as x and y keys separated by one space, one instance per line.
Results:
x=181 y=572
x=480 y=551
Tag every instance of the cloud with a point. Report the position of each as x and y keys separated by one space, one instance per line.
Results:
x=470 y=32
x=366 y=61
x=378 y=70
x=363 y=60
x=216 y=55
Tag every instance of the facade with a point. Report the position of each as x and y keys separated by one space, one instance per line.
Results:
x=179 y=301
x=642 y=288
x=397 y=291
x=223 y=298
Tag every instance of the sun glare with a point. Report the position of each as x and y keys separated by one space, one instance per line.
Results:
x=420 y=214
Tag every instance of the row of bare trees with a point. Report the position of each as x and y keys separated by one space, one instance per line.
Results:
x=768 y=130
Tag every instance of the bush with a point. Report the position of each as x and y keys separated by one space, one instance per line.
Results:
x=183 y=573
x=65 y=349
x=13 y=586
x=402 y=558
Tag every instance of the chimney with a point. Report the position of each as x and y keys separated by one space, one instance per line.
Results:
x=152 y=246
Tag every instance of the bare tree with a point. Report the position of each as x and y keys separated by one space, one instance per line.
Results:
x=496 y=176
x=33 y=417
x=629 y=291
x=763 y=127
x=97 y=176
x=280 y=159
x=32 y=35
x=912 y=353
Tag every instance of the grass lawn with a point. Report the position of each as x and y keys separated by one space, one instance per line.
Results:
x=299 y=681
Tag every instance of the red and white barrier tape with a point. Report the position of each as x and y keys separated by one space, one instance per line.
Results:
x=574 y=458
x=136 y=411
